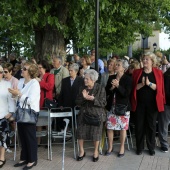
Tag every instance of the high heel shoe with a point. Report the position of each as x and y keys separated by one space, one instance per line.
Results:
x=120 y=155
x=80 y=158
x=95 y=159
x=29 y=167
x=3 y=163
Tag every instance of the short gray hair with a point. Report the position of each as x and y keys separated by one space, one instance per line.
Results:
x=75 y=67
x=92 y=73
x=57 y=57
x=125 y=64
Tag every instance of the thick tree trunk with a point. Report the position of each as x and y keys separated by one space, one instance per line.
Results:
x=50 y=40
x=47 y=42
x=38 y=44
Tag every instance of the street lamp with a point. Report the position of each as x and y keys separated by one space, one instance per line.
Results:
x=143 y=38
x=154 y=46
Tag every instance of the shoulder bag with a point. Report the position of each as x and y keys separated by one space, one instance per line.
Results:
x=24 y=115
x=119 y=109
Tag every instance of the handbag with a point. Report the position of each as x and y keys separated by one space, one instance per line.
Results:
x=120 y=109
x=50 y=104
x=24 y=115
x=93 y=120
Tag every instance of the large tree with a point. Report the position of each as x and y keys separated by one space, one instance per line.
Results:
x=51 y=24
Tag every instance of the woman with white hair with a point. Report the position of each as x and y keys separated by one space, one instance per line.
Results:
x=7 y=106
x=118 y=91
x=92 y=100
x=148 y=98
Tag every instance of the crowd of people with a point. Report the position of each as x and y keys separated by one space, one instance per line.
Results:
x=139 y=88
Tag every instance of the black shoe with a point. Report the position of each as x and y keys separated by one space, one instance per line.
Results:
x=107 y=153
x=120 y=155
x=95 y=159
x=20 y=164
x=3 y=163
x=29 y=167
x=164 y=149
x=152 y=152
x=80 y=158
x=139 y=152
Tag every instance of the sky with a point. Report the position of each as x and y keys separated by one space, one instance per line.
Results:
x=164 y=42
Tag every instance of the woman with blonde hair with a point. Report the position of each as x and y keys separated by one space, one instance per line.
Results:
x=148 y=98
x=29 y=88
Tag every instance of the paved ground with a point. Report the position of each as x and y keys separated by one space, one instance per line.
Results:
x=131 y=161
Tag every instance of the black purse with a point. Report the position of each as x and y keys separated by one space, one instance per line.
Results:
x=50 y=104
x=120 y=109
x=24 y=115
x=91 y=119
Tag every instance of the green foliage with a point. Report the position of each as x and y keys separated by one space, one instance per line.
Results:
x=75 y=20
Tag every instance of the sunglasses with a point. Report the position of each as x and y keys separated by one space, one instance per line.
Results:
x=24 y=69
x=1 y=72
x=5 y=72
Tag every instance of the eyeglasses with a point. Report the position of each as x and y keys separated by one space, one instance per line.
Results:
x=5 y=72
x=24 y=69
x=1 y=72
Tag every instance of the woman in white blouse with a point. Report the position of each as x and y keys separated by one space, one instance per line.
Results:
x=7 y=106
x=28 y=87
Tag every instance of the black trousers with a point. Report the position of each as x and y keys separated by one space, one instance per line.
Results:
x=27 y=135
x=145 y=124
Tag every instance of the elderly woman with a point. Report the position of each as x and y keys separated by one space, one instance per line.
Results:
x=91 y=99
x=118 y=91
x=70 y=87
x=30 y=88
x=148 y=99
x=85 y=62
x=7 y=106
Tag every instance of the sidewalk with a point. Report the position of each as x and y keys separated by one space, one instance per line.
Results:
x=131 y=161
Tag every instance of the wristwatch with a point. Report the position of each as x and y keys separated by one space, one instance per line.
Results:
x=150 y=84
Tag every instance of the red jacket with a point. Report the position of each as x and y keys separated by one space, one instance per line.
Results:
x=46 y=84
x=160 y=93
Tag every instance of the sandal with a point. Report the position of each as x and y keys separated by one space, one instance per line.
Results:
x=3 y=163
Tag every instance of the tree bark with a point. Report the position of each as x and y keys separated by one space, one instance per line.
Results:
x=50 y=40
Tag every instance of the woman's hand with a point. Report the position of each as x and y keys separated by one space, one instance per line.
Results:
x=8 y=116
x=87 y=96
x=147 y=81
x=143 y=80
x=115 y=83
x=14 y=92
x=85 y=93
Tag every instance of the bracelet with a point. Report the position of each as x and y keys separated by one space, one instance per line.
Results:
x=150 y=84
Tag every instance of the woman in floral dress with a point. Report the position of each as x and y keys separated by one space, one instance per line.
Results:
x=118 y=91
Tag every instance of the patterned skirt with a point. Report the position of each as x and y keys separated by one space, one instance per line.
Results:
x=115 y=122
x=4 y=130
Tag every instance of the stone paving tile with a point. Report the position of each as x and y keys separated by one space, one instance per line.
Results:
x=161 y=161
